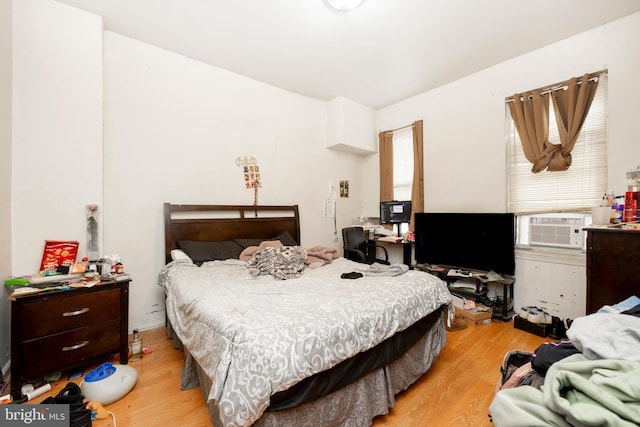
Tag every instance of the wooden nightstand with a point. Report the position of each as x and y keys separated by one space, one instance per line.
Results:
x=62 y=329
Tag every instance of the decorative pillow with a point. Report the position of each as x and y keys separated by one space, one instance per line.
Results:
x=201 y=252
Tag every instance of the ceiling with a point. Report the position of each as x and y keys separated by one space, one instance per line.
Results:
x=378 y=54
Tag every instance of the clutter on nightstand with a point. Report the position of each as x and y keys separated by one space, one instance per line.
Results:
x=58 y=256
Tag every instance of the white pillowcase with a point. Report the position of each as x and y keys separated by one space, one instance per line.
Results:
x=179 y=255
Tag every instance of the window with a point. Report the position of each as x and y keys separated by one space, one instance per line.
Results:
x=575 y=190
x=402 y=168
x=402 y=164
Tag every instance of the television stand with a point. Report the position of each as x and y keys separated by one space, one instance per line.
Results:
x=475 y=287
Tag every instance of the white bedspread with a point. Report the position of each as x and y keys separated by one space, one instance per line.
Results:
x=255 y=336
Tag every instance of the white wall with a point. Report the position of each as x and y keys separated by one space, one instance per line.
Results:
x=5 y=174
x=128 y=126
x=170 y=129
x=173 y=130
x=57 y=126
x=554 y=281
x=464 y=134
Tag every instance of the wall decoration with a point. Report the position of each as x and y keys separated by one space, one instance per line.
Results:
x=92 y=232
x=56 y=254
x=251 y=173
x=344 y=188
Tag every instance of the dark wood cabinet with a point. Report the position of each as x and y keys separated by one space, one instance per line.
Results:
x=62 y=329
x=613 y=266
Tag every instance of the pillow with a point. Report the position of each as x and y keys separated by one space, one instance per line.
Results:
x=179 y=255
x=286 y=239
x=245 y=243
x=201 y=252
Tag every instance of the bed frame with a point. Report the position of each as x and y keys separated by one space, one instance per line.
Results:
x=355 y=404
x=212 y=223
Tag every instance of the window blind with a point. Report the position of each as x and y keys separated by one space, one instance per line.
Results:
x=577 y=189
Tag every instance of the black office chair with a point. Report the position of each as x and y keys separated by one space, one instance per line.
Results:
x=357 y=248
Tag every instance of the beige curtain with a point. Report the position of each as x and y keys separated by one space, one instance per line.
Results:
x=385 y=152
x=530 y=113
x=417 y=187
x=571 y=106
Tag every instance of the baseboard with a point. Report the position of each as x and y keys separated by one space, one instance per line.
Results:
x=147 y=324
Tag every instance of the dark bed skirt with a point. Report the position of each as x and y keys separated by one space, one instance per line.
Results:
x=355 y=404
x=353 y=369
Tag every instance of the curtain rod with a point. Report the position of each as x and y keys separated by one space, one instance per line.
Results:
x=559 y=86
x=400 y=128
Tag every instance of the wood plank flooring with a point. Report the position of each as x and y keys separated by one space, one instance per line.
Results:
x=457 y=391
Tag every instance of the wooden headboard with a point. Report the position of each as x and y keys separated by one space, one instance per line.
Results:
x=212 y=223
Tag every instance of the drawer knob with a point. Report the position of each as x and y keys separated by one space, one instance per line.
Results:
x=75 y=313
x=75 y=346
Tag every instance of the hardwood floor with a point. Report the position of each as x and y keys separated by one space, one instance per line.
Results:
x=457 y=391
x=459 y=387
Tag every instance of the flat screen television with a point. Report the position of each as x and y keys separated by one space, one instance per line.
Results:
x=474 y=241
x=395 y=212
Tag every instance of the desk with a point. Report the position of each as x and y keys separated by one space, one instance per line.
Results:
x=407 y=250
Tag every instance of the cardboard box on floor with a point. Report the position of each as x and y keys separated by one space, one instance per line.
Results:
x=475 y=318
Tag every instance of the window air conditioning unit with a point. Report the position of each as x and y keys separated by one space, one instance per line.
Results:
x=556 y=231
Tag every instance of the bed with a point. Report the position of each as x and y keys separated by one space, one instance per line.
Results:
x=332 y=343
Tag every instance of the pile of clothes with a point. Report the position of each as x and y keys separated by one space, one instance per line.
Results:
x=592 y=378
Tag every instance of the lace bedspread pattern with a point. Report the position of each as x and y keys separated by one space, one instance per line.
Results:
x=255 y=336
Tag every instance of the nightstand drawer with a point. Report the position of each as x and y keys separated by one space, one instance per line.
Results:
x=58 y=314
x=69 y=348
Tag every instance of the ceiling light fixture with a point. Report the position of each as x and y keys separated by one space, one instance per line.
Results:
x=345 y=4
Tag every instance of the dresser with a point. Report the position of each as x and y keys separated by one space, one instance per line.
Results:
x=613 y=266
x=62 y=329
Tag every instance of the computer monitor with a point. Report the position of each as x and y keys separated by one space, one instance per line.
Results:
x=395 y=212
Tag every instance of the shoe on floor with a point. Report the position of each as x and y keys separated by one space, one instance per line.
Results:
x=558 y=330
x=524 y=312
x=457 y=325
x=539 y=316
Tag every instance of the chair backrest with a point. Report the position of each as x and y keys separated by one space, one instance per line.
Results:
x=353 y=238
